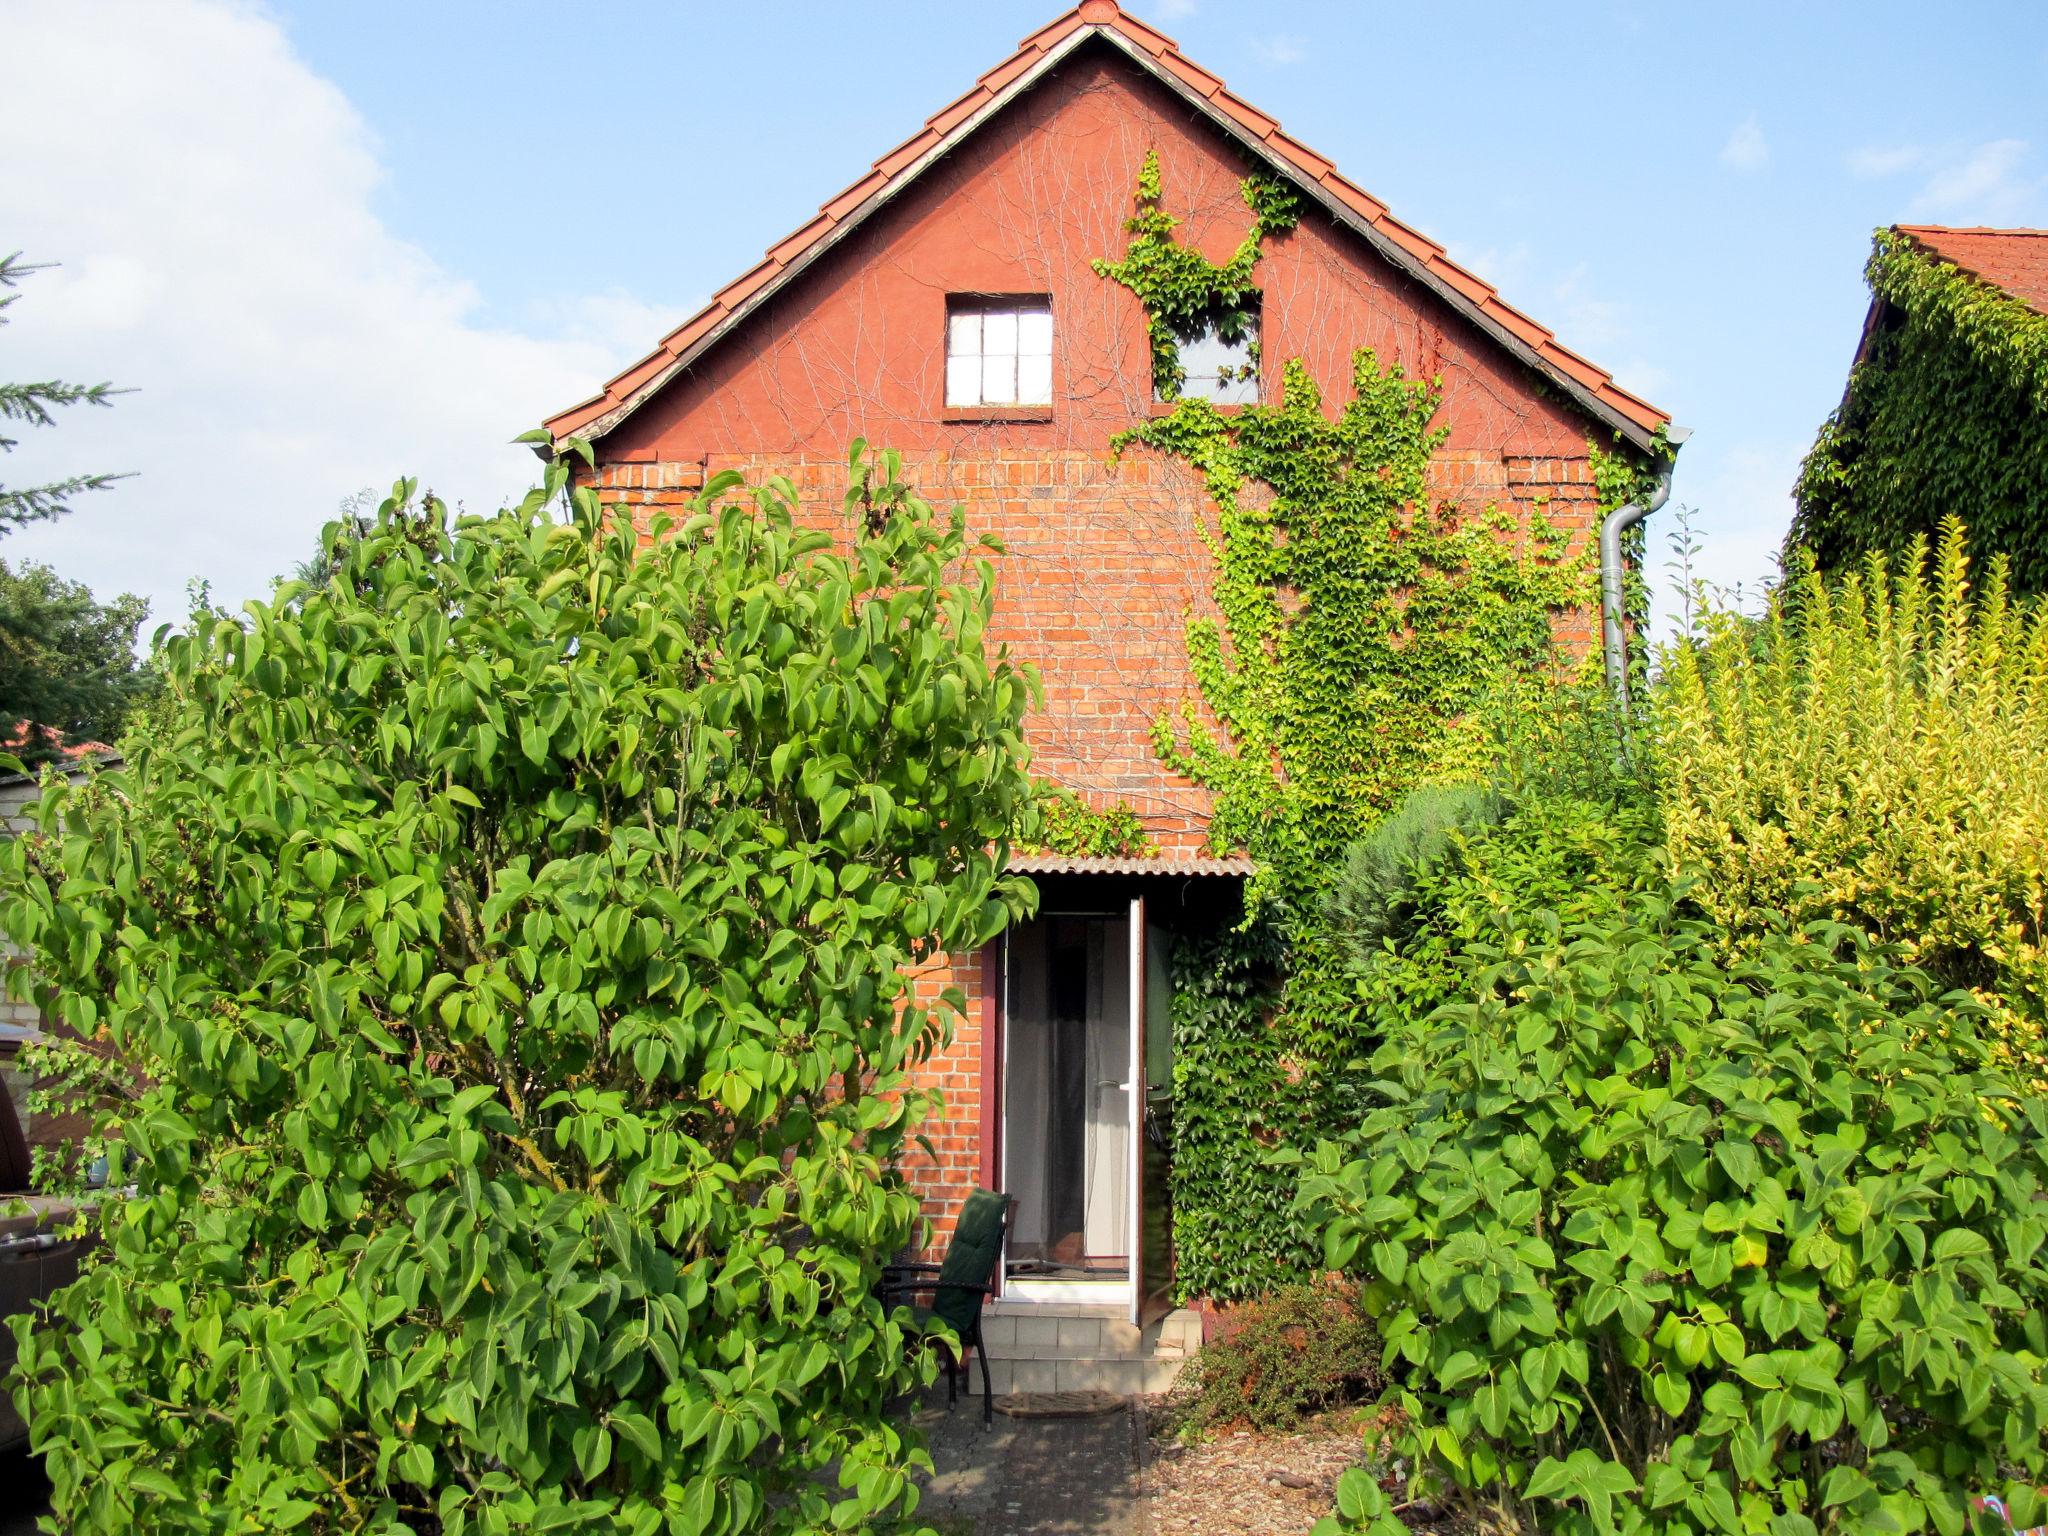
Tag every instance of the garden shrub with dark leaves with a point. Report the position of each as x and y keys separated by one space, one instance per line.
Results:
x=1661 y=1241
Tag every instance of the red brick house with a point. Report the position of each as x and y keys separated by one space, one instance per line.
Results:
x=944 y=305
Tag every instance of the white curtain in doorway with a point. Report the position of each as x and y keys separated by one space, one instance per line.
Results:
x=1108 y=1148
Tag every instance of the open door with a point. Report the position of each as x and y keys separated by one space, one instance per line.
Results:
x=1066 y=1105
x=1151 y=1211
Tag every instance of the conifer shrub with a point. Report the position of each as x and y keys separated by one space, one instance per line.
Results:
x=1876 y=753
x=512 y=936
x=1661 y=1239
x=1367 y=904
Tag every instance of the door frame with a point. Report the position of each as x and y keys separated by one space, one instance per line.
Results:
x=993 y=1161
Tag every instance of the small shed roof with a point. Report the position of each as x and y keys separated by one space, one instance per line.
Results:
x=1166 y=864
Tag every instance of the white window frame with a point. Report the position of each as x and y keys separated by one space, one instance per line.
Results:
x=998 y=352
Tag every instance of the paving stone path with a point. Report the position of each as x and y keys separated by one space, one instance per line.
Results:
x=1033 y=1476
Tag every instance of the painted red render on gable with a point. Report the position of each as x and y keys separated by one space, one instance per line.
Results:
x=2013 y=259
x=901 y=165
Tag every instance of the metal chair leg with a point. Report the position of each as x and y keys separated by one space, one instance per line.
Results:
x=988 y=1398
x=952 y=1381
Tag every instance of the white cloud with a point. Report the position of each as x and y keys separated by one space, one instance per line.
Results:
x=1989 y=183
x=1873 y=161
x=220 y=253
x=1747 y=149
x=1281 y=49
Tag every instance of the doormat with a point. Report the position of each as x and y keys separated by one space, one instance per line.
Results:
x=1091 y=1404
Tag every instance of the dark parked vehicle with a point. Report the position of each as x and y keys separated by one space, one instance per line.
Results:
x=35 y=1259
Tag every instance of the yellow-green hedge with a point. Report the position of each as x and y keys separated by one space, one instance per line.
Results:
x=1876 y=751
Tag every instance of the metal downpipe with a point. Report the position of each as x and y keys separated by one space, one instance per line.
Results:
x=1613 y=587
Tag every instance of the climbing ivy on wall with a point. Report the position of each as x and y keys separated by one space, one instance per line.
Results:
x=1184 y=293
x=1065 y=823
x=1947 y=415
x=1359 y=627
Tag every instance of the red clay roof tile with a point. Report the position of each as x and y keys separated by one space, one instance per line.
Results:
x=1991 y=254
x=953 y=114
x=1512 y=320
x=1356 y=197
x=1054 y=31
x=620 y=388
x=1191 y=74
x=1477 y=289
x=743 y=287
x=1317 y=166
x=2013 y=259
x=908 y=153
x=1568 y=361
x=1257 y=122
x=692 y=330
x=1413 y=241
x=855 y=195
x=801 y=241
x=1151 y=39
x=1009 y=69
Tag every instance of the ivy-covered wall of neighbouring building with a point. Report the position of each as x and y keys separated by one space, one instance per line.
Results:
x=1946 y=415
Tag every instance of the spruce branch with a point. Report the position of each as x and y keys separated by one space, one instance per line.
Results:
x=35 y=404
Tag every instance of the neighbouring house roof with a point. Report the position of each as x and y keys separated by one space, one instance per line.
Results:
x=2015 y=260
x=1093 y=864
x=1592 y=388
x=18 y=737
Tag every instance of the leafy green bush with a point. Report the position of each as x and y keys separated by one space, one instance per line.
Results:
x=1664 y=1242
x=1298 y=1352
x=1878 y=754
x=1380 y=870
x=513 y=933
x=1573 y=857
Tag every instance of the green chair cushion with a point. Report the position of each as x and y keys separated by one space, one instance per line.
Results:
x=970 y=1260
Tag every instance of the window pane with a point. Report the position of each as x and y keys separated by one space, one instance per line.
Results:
x=1034 y=380
x=1034 y=333
x=999 y=333
x=998 y=378
x=963 y=380
x=963 y=335
x=1206 y=358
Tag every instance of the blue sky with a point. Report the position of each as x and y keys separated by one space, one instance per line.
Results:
x=334 y=241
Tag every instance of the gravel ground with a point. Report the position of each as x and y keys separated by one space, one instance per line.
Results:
x=1243 y=1484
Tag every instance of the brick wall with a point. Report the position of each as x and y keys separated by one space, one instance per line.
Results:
x=1103 y=560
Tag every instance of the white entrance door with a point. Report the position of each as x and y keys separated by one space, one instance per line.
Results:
x=1070 y=1061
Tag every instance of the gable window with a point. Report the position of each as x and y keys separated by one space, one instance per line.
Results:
x=1219 y=356
x=998 y=351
